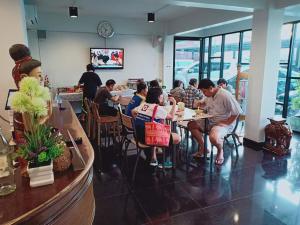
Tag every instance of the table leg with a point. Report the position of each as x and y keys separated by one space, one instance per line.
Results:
x=205 y=138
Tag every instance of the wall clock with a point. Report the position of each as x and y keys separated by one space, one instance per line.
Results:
x=105 y=29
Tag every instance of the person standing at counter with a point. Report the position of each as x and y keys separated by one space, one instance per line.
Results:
x=90 y=81
x=103 y=96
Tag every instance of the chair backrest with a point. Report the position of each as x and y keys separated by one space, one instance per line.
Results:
x=240 y=76
x=127 y=121
x=95 y=110
x=241 y=90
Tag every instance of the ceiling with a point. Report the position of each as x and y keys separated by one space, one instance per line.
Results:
x=115 y=8
x=165 y=10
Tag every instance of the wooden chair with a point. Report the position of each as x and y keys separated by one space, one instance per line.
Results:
x=240 y=93
x=89 y=116
x=128 y=126
x=107 y=121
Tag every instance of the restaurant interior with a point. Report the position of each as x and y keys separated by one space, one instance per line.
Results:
x=77 y=77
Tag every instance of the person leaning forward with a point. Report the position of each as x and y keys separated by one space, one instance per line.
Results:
x=225 y=110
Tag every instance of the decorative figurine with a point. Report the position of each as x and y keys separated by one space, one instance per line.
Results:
x=20 y=54
x=278 y=136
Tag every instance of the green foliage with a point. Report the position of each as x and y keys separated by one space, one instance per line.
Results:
x=31 y=98
x=42 y=145
x=296 y=101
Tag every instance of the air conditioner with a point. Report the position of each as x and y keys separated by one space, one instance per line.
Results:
x=31 y=16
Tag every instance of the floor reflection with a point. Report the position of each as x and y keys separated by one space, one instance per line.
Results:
x=255 y=188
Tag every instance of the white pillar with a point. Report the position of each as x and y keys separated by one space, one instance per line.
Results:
x=264 y=66
x=168 y=61
x=12 y=22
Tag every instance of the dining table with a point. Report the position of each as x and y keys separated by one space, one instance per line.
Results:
x=190 y=115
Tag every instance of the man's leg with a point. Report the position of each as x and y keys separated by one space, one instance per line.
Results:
x=216 y=137
x=195 y=128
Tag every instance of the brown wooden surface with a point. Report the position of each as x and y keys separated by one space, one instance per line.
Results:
x=70 y=200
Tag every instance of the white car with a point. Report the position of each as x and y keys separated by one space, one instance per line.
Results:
x=229 y=71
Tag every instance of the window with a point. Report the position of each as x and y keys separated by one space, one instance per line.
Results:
x=216 y=43
x=288 y=91
x=231 y=53
x=246 y=46
x=295 y=62
x=186 y=59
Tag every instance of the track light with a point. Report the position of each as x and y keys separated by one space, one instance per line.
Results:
x=73 y=12
x=151 y=17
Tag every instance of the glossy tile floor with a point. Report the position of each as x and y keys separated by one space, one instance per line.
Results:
x=256 y=188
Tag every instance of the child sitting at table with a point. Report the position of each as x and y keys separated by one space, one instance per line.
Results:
x=138 y=98
x=144 y=114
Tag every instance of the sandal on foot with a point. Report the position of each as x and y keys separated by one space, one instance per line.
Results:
x=198 y=155
x=219 y=161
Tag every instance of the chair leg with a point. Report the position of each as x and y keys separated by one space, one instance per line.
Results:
x=98 y=135
x=237 y=138
x=124 y=156
x=187 y=160
x=94 y=130
x=136 y=163
x=89 y=127
x=235 y=145
x=211 y=155
x=164 y=159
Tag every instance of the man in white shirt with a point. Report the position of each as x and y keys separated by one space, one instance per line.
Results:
x=225 y=110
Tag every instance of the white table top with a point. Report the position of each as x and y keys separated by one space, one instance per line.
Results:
x=124 y=93
x=188 y=114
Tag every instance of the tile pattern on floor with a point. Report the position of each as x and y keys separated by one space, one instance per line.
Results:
x=255 y=188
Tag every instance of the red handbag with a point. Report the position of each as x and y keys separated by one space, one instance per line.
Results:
x=157 y=134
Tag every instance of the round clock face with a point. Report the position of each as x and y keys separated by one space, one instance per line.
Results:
x=105 y=29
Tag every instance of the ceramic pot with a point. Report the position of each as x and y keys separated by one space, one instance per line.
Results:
x=40 y=176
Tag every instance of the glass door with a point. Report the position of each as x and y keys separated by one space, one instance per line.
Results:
x=187 y=59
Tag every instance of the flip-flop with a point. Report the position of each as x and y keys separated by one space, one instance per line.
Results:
x=219 y=162
x=198 y=155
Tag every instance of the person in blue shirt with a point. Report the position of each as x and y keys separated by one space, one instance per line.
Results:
x=138 y=98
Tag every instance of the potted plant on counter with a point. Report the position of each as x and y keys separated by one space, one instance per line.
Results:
x=42 y=145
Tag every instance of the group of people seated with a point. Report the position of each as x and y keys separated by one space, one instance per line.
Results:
x=192 y=94
x=216 y=100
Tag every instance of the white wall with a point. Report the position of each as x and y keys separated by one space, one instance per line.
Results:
x=64 y=56
x=65 y=51
x=14 y=31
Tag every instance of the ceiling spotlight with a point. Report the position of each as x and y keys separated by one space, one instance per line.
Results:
x=151 y=17
x=73 y=12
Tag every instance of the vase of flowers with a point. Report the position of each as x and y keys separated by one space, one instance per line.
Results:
x=43 y=144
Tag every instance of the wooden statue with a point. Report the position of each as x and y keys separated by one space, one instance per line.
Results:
x=278 y=136
x=20 y=54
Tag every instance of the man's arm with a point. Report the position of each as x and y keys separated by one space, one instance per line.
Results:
x=115 y=98
x=81 y=81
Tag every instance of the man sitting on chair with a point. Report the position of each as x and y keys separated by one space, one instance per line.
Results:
x=103 y=95
x=225 y=110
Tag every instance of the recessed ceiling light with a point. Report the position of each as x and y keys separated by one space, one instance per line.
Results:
x=151 y=17
x=73 y=12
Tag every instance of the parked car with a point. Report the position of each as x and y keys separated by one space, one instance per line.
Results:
x=192 y=71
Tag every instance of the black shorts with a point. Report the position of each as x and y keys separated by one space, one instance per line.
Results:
x=105 y=110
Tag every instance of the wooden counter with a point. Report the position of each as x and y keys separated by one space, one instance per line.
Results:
x=70 y=200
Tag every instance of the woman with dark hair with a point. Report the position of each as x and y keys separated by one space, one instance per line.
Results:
x=144 y=114
x=138 y=98
x=178 y=92
x=155 y=84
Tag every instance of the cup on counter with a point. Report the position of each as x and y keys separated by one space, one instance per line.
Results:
x=180 y=106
